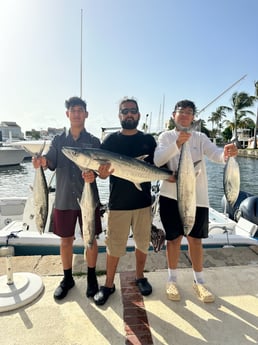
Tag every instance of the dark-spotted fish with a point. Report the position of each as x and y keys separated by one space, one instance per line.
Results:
x=40 y=194
x=134 y=170
x=186 y=184
x=88 y=204
x=40 y=199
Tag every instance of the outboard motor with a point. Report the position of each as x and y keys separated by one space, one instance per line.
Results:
x=248 y=209
x=233 y=212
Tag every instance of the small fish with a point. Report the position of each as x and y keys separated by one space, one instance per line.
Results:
x=186 y=184
x=40 y=194
x=88 y=204
x=40 y=199
x=231 y=180
x=134 y=170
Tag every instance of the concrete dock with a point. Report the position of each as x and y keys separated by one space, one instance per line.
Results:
x=129 y=318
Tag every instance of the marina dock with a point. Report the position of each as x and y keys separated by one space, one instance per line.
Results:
x=129 y=318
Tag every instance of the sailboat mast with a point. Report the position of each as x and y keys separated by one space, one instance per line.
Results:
x=81 y=55
x=162 y=116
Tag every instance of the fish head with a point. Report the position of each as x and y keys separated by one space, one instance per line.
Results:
x=79 y=157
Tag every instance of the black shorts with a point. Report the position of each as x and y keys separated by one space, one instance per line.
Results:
x=172 y=224
x=65 y=222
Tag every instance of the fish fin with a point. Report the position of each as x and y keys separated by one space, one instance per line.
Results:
x=197 y=162
x=141 y=158
x=42 y=149
x=198 y=172
x=236 y=142
x=38 y=154
x=138 y=186
x=35 y=154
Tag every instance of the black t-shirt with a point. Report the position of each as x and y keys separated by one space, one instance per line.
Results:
x=123 y=193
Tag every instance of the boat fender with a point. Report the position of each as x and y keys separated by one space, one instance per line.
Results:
x=233 y=212
x=248 y=209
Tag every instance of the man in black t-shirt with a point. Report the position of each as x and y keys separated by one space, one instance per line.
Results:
x=128 y=206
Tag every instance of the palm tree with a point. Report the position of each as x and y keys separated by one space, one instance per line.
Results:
x=217 y=116
x=240 y=101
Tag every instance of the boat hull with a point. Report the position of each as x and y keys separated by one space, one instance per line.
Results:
x=10 y=156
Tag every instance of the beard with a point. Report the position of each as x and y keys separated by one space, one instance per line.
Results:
x=129 y=124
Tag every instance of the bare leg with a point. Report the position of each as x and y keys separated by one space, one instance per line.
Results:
x=140 y=263
x=91 y=255
x=173 y=252
x=112 y=262
x=66 y=252
x=196 y=253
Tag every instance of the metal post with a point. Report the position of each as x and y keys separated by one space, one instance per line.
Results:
x=9 y=270
x=8 y=252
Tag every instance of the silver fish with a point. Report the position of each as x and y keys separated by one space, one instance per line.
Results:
x=186 y=184
x=132 y=169
x=40 y=193
x=88 y=204
x=231 y=180
x=40 y=199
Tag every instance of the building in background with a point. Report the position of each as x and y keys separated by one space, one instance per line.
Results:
x=10 y=131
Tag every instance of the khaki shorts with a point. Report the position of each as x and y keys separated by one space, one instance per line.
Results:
x=119 y=224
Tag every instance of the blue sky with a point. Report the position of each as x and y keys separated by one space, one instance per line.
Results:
x=153 y=50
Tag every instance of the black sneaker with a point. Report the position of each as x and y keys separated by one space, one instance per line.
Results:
x=63 y=288
x=92 y=287
x=144 y=286
x=102 y=296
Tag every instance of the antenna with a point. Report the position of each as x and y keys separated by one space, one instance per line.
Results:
x=81 y=55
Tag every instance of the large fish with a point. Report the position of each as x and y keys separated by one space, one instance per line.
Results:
x=88 y=204
x=186 y=184
x=231 y=180
x=132 y=169
x=40 y=194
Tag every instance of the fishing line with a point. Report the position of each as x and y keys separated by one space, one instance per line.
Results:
x=215 y=99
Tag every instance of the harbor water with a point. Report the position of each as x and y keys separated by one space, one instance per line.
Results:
x=17 y=181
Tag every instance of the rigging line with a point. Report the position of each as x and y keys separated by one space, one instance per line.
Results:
x=215 y=99
x=81 y=55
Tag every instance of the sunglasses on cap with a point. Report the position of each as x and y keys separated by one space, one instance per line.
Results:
x=125 y=111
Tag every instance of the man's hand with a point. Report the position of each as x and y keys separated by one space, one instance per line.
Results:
x=88 y=176
x=39 y=162
x=182 y=138
x=230 y=150
x=105 y=171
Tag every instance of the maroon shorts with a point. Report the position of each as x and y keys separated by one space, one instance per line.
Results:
x=65 y=222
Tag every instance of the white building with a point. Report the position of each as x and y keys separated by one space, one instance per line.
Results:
x=10 y=131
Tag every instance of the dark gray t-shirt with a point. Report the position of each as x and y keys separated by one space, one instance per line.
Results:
x=69 y=181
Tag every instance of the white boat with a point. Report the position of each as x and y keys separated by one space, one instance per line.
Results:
x=11 y=208
x=11 y=156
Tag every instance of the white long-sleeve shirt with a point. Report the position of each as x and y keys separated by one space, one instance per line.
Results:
x=168 y=153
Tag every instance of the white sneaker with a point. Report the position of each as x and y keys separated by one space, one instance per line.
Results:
x=172 y=292
x=203 y=293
